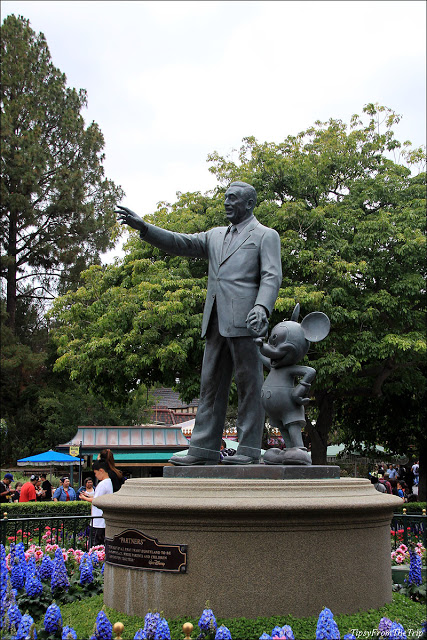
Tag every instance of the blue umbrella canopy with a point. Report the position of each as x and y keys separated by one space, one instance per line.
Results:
x=49 y=457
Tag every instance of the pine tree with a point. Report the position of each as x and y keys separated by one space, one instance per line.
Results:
x=56 y=204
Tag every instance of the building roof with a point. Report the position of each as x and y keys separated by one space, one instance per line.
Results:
x=164 y=397
x=123 y=438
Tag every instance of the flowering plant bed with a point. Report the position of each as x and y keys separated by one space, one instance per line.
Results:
x=91 y=621
x=52 y=536
x=38 y=576
x=401 y=555
x=413 y=584
x=412 y=536
x=401 y=572
x=57 y=593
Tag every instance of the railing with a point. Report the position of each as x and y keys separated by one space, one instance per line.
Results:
x=73 y=530
x=409 y=529
x=69 y=531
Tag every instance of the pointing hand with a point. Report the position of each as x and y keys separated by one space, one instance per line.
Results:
x=129 y=217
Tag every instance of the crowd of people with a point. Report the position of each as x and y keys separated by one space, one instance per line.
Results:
x=109 y=479
x=398 y=480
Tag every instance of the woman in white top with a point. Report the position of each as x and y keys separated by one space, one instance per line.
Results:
x=103 y=487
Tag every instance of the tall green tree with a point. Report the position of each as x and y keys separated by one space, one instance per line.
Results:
x=145 y=312
x=56 y=203
x=41 y=409
x=56 y=218
x=351 y=222
x=352 y=225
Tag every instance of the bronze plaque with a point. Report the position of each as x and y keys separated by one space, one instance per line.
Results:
x=135 y=550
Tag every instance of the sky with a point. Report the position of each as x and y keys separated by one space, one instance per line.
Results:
x=170 y=82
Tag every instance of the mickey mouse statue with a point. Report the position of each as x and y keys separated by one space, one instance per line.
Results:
x=286 y=389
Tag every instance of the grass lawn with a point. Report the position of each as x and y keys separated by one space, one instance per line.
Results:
x=82 y=615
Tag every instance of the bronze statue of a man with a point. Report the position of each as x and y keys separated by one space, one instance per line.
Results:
x=244 y=278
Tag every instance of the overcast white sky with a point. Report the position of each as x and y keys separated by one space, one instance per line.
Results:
x=169 y=82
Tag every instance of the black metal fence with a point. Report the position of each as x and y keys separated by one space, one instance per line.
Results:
x=65 y=531
x=76 y=531
x=409 y=529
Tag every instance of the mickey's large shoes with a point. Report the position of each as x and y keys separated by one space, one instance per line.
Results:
x=292 y=456
x=239 y=459
x=274 y=456
x=190 y=461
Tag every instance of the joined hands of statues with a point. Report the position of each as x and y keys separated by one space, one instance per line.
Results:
x=257 y=321
x=129 y=217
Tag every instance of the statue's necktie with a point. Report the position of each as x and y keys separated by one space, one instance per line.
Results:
x=229 y=240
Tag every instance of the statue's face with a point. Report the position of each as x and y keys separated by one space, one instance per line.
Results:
x=238 y=206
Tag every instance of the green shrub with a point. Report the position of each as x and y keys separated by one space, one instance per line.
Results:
x=412 y=508
x=30 y=509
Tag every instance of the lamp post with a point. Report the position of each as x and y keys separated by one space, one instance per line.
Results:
x=80 y=464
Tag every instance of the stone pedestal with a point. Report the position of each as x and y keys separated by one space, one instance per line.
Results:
x=255 y=472
x=255 y=547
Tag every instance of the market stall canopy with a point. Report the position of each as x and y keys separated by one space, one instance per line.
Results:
x=50 y=457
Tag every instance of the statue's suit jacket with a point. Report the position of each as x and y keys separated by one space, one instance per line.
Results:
x=249 y=274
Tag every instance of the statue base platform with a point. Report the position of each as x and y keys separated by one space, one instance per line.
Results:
x=255 y=472
x=252 y=547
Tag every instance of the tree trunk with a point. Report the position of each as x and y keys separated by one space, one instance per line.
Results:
x=11 y=272
x=319 y=433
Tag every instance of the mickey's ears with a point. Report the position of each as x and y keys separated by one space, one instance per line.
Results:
x=295 y=313
x=316 y=326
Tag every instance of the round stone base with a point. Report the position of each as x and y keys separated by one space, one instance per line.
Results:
x=254 y=547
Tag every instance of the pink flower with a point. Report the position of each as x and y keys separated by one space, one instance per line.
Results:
x=400 y=559
x=403 y=548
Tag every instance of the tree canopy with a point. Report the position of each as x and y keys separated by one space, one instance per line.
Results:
x=351 y=222
x=57 y=216
x=56 y=203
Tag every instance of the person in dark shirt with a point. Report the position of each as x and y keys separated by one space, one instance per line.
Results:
x=16 y=495
x=47 y=487
x=5 y=488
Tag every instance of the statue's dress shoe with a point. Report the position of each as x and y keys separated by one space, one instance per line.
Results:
x=189 y=461
x=238 y=459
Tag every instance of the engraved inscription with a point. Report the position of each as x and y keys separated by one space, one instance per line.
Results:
x=135 y=550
